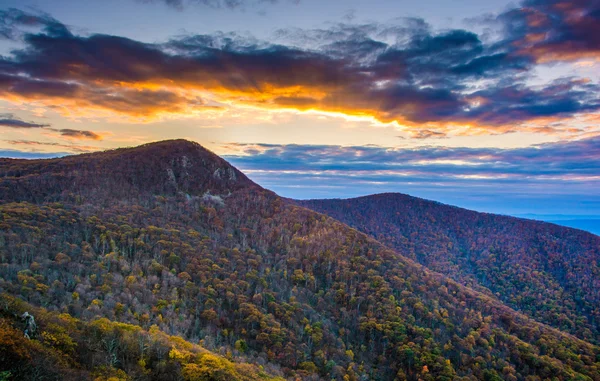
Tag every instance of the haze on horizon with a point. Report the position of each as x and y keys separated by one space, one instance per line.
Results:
x=492 y=107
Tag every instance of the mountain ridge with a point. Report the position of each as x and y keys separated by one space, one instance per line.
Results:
x=411 y=197
x=164 y=167
x=252 y=274
x=488 y=252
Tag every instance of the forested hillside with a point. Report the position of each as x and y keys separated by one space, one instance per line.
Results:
x=218 y=260
x=549 y=272
x=66 y=348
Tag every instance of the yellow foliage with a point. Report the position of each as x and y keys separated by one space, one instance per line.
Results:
x=96 y=302
x=103 y=324
x=183 y=355
x=59 y=338
x=105 y=373
x=350 y=354
x=210 y=368
x=41 y=288
x=181 y=342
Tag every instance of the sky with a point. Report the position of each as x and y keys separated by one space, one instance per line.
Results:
x=492 y=106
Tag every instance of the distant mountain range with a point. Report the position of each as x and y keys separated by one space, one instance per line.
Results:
x=590 y=225
x=587 y=223
x=125 y=250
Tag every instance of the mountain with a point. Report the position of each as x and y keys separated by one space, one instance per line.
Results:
x=172 y=167
x=169 y=238
x=549 y=272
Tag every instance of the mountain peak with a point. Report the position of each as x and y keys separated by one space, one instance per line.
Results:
x=160 y=168
x=170 y=145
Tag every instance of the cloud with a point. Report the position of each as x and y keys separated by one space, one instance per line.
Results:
x=79 y=134
x=562 y=160
x=71 y=148
x=425 y=134
x=12 y=19
x=9 y=120
x=436 y=83
x=216 y=4
x=503 y=105
x=555 y=30
x=551 y=176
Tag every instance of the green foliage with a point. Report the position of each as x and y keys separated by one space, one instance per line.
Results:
x=241 y=345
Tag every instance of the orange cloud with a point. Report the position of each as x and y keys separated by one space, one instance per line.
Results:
x=423 y=85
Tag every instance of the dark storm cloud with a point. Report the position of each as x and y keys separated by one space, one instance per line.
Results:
x=403 y=72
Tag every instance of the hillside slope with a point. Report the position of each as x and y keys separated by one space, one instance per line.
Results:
x=230 y=264
x=65 y=348
x=549 y=272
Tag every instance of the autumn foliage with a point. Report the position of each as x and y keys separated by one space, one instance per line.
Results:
x=223 y=263
x=101 y=350
x=549 y=272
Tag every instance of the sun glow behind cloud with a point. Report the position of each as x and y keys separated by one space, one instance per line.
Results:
x=425 y=85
